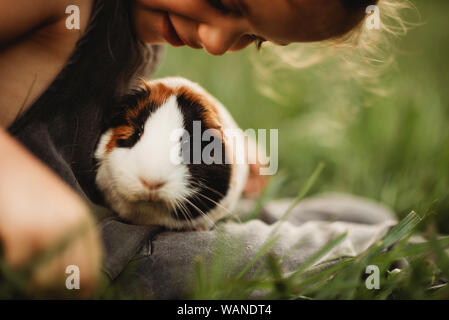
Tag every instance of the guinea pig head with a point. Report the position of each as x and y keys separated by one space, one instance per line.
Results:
x=152 y=168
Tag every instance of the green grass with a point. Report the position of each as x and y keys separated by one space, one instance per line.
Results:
x=341 y=278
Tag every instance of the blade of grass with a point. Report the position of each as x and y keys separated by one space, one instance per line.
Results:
x=259 y=254
x=406 y=226
x=417 y=249
x=318 y=255
x=301 y=194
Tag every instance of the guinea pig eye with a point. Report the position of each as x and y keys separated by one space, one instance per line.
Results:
x=130 y=141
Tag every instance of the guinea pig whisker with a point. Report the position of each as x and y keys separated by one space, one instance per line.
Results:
x=213 y=201
x=203 y=185
x=188 y=216
x=183 y=210
x=204 y=215
x=198 y=210
x=199 y=184
x=173 y=209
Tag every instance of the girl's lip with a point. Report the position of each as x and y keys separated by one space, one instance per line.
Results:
x=169 y=32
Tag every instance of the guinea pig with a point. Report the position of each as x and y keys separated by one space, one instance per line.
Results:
x=147 y=171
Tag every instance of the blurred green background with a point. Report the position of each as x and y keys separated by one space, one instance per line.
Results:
x=392 y=147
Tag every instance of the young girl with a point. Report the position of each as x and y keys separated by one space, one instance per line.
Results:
x=57 y=83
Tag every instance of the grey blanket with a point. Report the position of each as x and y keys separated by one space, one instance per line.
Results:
x=162 y=261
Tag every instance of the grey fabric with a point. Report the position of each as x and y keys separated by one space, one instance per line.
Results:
x=331 y=207
x=121 y=244
x=163 y=267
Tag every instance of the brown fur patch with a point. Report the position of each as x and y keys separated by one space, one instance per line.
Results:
x=122 y=132
x=159 y=94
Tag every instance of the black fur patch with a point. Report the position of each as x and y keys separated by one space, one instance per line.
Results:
x=211 y=180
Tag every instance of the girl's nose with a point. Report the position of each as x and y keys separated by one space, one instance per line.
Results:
x=218 y=40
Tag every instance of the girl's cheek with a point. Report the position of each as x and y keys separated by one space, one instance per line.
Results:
x=148 y=25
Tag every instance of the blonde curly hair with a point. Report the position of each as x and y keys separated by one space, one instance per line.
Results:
x=360 y=53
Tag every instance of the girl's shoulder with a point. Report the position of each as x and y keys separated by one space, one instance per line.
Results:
x=36 y=42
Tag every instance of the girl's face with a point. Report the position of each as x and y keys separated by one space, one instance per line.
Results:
x=219 y=26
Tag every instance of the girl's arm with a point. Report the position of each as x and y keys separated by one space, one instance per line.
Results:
x=18 y=17
x=37 y=210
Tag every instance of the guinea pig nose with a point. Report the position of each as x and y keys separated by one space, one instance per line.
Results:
x=153 y=185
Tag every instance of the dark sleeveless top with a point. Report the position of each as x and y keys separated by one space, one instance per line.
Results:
x=63 y=126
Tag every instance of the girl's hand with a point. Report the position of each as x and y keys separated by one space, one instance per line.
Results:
x=37 y=211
